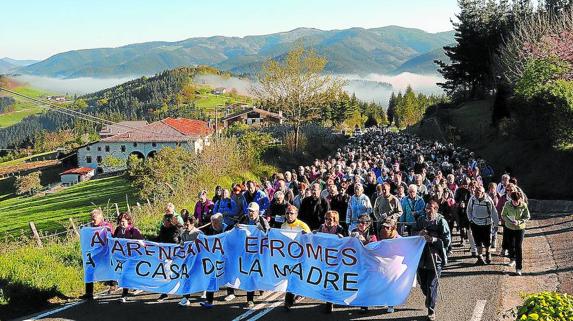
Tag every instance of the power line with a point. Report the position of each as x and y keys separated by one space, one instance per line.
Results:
x=80 y=115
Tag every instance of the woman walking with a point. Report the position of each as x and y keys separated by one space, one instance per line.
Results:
x=515 y=214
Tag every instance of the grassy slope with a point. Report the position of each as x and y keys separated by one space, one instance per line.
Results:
x=542 y=171
x=50 y=211
x=208 y=101
x=23 y=107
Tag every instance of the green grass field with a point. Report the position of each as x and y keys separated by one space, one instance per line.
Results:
x=23 y=107
x=51 y=211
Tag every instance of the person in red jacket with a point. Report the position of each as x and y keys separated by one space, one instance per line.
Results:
x=126 y=230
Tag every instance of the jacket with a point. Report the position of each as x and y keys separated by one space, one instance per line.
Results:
x=312 y=211
x=482 y=212
x=228 y=208
x=357 y=206
x=259 y=197
x=515 y=217
x=412 y=208
x=203 y=211
x=130 y=232
x=384 y=207
x=435 y=250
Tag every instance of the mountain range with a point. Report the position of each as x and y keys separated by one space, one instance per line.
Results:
x=385 y=50
x=8 y=65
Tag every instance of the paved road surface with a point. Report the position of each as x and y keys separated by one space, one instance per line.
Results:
x=468 y=293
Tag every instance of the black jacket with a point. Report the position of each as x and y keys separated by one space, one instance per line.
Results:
x=312 y=211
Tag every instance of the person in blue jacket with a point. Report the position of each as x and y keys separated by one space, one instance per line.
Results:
x=227 y=206
x=254 y=194
x=412 y=205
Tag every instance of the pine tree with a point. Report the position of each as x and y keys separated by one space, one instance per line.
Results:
x=391 y=108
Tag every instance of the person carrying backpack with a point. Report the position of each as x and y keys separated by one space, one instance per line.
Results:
x=482 y=214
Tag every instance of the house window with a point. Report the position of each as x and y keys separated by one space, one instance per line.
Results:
x=88 y=148
x=107 y=148
x=88 y=159
x=134 y=144
x=99 y=148
x=99 y=159
x=154 y=144
x=123 y=148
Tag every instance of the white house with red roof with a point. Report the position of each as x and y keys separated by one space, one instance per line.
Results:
x=76 y=175
x=145 y=141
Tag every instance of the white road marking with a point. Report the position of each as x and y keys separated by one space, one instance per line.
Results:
x=478 y=310
x=258 y=307
x=48 y=313
x=265 y=311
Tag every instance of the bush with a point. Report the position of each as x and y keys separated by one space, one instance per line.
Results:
x=546 y=306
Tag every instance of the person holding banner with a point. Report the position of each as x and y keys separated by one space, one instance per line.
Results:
x=126 y=230
x=97 y=220
x=365 y=234
x=217 y=226
x=203 y=208
x=331 y=226
x=254 y=218
x=389 y=231
x=227 y=206
x=294 y=224
x=434 y=228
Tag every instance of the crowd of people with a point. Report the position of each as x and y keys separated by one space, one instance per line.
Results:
x=381 y=185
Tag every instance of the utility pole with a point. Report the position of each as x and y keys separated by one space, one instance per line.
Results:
x=216 y=122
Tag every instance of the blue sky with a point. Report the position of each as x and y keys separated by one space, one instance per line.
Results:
x=37 y=29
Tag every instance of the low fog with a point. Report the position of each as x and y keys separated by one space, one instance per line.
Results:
x=373 y=87
x=368 y=88
x=74 y=86
x=241 y=85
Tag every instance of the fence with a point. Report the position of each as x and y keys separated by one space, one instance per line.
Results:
x=72 y=226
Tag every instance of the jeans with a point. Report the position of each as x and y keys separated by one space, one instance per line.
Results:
x=428 y=280
x=515 y=242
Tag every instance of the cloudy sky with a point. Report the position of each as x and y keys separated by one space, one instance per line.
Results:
x=37 y=29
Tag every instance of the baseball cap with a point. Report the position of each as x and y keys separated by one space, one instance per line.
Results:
x=253 y=206
x=389 y=222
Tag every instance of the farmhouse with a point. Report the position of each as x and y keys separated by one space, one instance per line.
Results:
x=145 y=141
x=120 y=128
x=76 y=175
x=253 y=117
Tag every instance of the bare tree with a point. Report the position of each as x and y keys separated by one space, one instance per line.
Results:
x=296 y=86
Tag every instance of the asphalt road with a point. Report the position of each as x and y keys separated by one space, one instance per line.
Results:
x=468 y=292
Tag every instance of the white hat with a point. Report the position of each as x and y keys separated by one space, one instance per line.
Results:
x=253 y=206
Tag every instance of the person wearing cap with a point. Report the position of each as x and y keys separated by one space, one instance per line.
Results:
x=254 y=218
x=217 y=226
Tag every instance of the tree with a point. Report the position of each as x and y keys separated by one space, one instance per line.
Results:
x=28 y=184
x=296 y=86
x=390 y=112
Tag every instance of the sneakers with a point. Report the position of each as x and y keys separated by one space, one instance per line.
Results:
x=123 y=299
x=390 y=309
x=431 y=314
x=518 y=272
x=511 y=263
x=184 y=302
x=229 y=297
x=112 y=289
x=480 y=261
x=488 y=258
x=204 y=295
x=206 y=304
x=250 y=304
x=298 y=299
x=162 y=298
